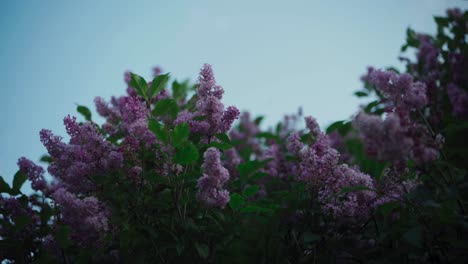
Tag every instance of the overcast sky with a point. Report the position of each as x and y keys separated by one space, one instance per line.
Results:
x=270 y=56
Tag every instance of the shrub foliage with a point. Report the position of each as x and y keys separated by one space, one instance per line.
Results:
x=168 y=178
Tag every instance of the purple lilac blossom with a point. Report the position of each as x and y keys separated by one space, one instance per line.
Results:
x=210 y=185
x=399 y=90
x=87 y=217
x=231 y=161
x=319 y=166
x=209 y=106
x=428 y=54
x=87 y=154
x=459 y=100
x=277 y=166
x=385 y=139
x=245 y=134
x=34 y=172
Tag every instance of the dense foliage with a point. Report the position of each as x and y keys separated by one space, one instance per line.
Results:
x=166 y=179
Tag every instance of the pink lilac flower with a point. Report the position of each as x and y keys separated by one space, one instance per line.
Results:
x=12 y=209
x=428 y=54
x=385 y=139
x=458 y=63
x=34 y=172
x=210 y=185
x=111 y=114
x=393 y=186
x=209 y=107
x=459 y=100
x=351 y=206
x=231 y=114
x=157 y=71
x=87 y=154
x=312 y=125
x=130 y=90
x=209 y=103
x=319 y=166
x=87 y=217
x=399 y=89
x=231 y=161
x=454 y=13
x=277 y=166
x=245 y=135
x=196 y=126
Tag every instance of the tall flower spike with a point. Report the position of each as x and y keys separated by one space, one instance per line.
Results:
x=210 y=185
x=34 y=172
x=209 y=106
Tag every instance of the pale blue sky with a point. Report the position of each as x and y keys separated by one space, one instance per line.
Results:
x=270 y=56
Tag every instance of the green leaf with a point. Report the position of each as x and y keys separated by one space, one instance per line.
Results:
x=258 y=175
x=140 y=85
x=413 y=236
x=387 y=208
x=219 y=145
x=18 y=181
x=83 y=110
x=266 y=135
x=251 y=190
x=361 y=94
x=186 y=154
x=45 y=213
x=22 y=220
x=62 y=236
x=334 y=126
x=158 y=84
x=258 y=120
x=411 y=38
x=4 y=187
x=166 y=106
x=442 y=21
x=180 y=247
x=310 y=237
x=203 y=250
x=224 y=138
x=199 y=118
x=372 y=107
x=179 y=90
x=47 y=159
x=236 y=201
x=152 y=176
x=249 y=167
x=255 y=209
x=355 y=189
x=158 y=130
x=180 y=134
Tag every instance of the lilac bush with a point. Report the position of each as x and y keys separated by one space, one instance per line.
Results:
x=172 y=177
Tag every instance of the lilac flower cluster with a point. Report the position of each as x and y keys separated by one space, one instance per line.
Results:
x=74 y=165
x=400 y=91
x=393 y=186
x=209 y=107
x=277 y=166
x=210 y=185
x=246 y=135
x=88 y=216
x=319 y=166
x=12 y=209
x=459 y=100
x=135 y=123
x=428 y=56
x=386 y=139
x=394 y=140
x=34 y=172
x=87 y=154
